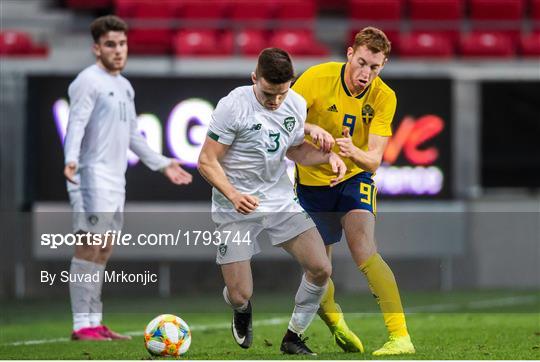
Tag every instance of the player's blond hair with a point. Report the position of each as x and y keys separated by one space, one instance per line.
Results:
x=374 y=39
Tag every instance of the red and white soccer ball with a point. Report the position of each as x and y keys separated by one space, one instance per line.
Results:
x=167 y=335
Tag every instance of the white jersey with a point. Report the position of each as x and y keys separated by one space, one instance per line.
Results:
x=258 y=138
x=102 y=126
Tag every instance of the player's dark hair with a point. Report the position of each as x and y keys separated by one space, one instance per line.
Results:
x=275 y=65
x=104 y=24
x=374 y=39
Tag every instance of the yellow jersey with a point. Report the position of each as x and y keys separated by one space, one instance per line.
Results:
x=331 y=107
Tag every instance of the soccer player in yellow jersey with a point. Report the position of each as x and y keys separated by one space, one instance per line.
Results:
x=350 y=111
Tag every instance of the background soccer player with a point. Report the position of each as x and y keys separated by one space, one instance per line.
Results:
x=351 y=104
x=243 y=158
x=102 y=127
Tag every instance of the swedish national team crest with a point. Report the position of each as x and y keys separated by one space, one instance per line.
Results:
x=289 y=123
x=367 y=114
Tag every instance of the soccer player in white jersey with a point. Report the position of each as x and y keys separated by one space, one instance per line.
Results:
x=102 y=127
x=251 y=132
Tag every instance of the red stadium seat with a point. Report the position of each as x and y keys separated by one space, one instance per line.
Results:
x=295 y=10
x=201 y=43
x=195 y=42
x=333 y=5
x=375 y=9
x=20 y=44
x=435 y=9
x=437 y=16
x=384 y=14
x=535 y=14
x=248 y=41
x=130 y=8
x=15 y=42
x=203 y=10
x=503 y=16
x=530 y=45
x=152 y=28
x=251 y=25
x=298 y=42
x=487 y=44
x=425 y=44
x=149 y=10
x=88 y=4
x=197 y=14
x=125 y=8
x=150 y=42
x=535 y=9
x=252 y=10
x=496 y=9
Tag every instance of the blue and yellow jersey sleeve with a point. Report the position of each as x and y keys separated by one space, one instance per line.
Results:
x=332 y=107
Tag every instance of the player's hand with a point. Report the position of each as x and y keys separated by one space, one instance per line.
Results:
x=245 y=204
x=176 y=174
x=321 y=138
x=338 y=167
x=346 y=146
x=69 y=172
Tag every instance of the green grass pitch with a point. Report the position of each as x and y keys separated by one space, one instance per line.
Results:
x=460 y=325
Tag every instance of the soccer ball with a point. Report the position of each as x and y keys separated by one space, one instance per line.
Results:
x=167 y=335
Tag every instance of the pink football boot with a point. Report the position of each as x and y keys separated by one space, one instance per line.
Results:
x=88 y=334
x=107 y=333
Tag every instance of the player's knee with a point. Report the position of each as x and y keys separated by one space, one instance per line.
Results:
x=326 y=271
x=362 y=253
x=321 y=272
x=106 y=250
x=87 y=252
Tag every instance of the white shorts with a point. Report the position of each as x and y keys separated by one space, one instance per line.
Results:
x=242 y=242
x=97 y=211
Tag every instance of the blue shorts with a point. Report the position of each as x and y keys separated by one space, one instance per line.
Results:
x=326 y=205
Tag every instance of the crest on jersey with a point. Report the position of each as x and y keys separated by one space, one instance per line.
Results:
x=222 y=249
x=93 y=219
x=367 y=114
x=289 y=123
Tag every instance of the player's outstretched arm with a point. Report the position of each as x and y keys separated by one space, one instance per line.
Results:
x=308 y=155
x=320 y=137
x=139 y=146
x=210 y=168
x=369 y=160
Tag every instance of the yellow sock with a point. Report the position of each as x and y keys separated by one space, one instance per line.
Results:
x=383 y=286
x=329 y=311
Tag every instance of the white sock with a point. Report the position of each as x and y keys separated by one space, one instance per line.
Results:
x=80 y=293
x=241 y=308
x=307 y=300
x=96 y=306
